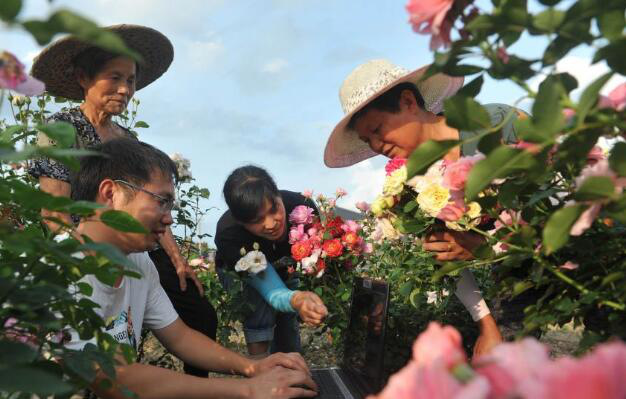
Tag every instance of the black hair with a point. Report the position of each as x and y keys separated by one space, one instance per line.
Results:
x=120 y=159
x=389 y=101
x=246 y=189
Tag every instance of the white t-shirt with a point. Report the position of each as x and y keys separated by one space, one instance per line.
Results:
x=135 y=303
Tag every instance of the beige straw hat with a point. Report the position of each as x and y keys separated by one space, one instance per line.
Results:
x=364 y=84
x=55 y=64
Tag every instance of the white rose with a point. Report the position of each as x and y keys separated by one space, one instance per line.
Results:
x=433 y=198
x=434 y=175
x=394 y=183
x=310 y=262
x=474 y=210
x=253 y=262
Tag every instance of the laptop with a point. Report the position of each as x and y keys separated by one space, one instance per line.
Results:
x=361 y=372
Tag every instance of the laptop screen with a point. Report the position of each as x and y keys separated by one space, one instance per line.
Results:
x=365 y=338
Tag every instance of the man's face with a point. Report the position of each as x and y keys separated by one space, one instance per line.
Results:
x=151 y=211
x=271 y=222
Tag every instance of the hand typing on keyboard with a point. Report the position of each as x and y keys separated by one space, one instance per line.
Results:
x=282 y=383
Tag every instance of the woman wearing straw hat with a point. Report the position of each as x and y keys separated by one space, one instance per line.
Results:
x=390 y=111
x=105 y=82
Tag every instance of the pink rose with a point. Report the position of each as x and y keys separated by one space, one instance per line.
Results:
x=455 y=173
x=438 y=344
x=301 y=214
x=350 y=226
x=509 y=364
x=596 y=154
x=569 y=265
x=367 y=248
x=394 y=164
x=599 y=375
x=307 y=193
x=415 y=382
x=13 y=76
x=332 y=202
x=616 y=98
x=428 y=16
x=362 y=206
x=507 y=218
x=568 y=113
x=297 y=234
x=340 y=192
x=586 y=219
x=503 y=55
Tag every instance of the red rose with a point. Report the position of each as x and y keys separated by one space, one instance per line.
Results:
x=301 y=250
x=333 y=227
x=321 y=265
x=333 y=248
x=351 y=239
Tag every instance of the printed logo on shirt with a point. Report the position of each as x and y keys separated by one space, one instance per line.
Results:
x=121 y=328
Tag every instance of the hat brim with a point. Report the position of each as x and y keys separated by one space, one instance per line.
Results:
x=55 y=64
x=345 y=148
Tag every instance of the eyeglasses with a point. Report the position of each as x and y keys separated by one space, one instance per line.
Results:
x=166 y=204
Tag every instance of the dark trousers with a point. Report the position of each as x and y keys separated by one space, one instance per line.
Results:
x=195 y=310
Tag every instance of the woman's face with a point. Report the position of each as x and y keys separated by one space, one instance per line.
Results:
x=392 y=134
x=271 y=222
x=112 y=87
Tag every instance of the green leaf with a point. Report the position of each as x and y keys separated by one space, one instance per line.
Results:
x=12 y=352
x=7 y=135
x=481 y=22
x=32 y=380
x=406 y=288
x=9 y=9
x=500 y=163
x=447 y=268
x=590 y=96
x=122 y=221
x=549 y=20
x=613 y=53
x=547 y=110
x=464 y=113
x=461 y=69
x=595 y=188
x=556 y=232
x=557 y=49
x=81 y=207
x=617 y=159
x=427 y=154
x=141 y=124
x=472 y=89
x=62 y=132
x=111 y=252
x=85 y=289
x=409 y=206
x=611 y=24
x=522 y=286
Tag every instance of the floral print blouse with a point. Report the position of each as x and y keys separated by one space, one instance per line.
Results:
x=86 y=137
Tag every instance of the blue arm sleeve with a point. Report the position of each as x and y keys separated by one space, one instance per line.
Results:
x=272 y=289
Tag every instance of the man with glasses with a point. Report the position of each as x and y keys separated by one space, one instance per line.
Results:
x=138 y=179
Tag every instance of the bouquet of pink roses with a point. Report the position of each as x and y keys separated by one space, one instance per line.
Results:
x=324 y=240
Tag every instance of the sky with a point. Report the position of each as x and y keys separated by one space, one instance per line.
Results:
x=256 y=82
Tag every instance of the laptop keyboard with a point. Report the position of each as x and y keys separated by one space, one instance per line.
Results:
x=328 y=388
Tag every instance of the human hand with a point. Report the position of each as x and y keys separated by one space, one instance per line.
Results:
x=184 y=271
x=280 y=383
x=293 y=361
x=309 y=306
x=489 y=336
x=452 y=245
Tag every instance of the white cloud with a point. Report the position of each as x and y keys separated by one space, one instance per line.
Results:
x=366 y=182
x=201 y=54
x=275 y=66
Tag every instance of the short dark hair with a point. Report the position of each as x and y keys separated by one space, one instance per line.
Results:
x=246 y=190
x=389 y=101
x=120 y=159
x=93 y=59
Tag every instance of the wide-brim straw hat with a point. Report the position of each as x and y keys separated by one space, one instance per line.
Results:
x=55 y=64
x=364 y=84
